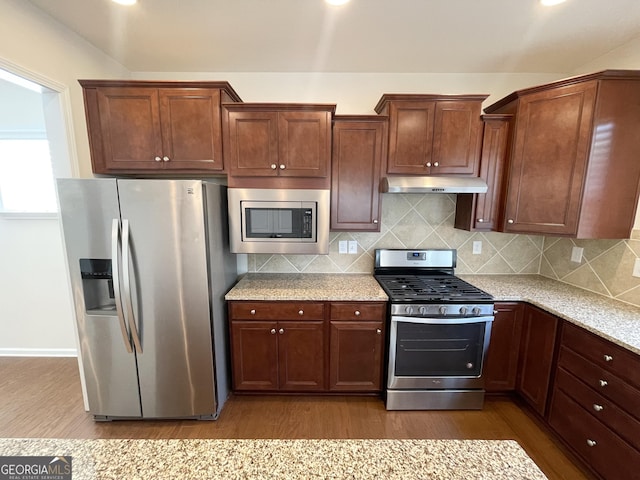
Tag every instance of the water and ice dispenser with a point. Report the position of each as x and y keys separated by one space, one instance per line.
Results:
x=97 y=285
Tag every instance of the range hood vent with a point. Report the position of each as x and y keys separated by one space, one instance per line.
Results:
x=433 y=184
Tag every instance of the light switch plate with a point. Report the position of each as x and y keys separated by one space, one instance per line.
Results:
x=342 y=246
x=477 y=247
x=576 y=254
x=636 y=268
x=353 y=246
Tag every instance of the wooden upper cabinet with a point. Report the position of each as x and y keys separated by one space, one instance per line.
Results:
x=573 y=167
x=284 y=140
x=140 y=126
x=433 y=134
x=481 y=212
x=359 y=147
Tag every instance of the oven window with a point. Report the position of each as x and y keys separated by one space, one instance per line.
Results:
x=436 y=350
x=278 y=223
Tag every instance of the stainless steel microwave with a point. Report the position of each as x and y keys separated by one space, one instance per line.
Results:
x=285 y=221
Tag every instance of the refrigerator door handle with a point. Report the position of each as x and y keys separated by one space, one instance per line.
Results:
x=115 y=267
x=126 y=280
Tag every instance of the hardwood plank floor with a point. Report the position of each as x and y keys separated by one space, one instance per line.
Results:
x=41 y=397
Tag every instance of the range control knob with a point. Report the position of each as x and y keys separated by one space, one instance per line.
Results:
x=408 y=310
x=443 y=310
x=423 y=310
x=463 y=310
x=475 y=310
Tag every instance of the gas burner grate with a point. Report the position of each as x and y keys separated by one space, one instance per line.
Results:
x=426 y=288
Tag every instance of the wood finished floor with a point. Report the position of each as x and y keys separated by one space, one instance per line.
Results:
x=41 y=397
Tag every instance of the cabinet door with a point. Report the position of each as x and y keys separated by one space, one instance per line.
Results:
x=356 y=356
x=191 y=130
x=410 y=137
x=551 y=147
x=501 y=363
x=129 y=128
x=252 y=143
x=304 y=144
x=254 y=347
x=358 y=149
x=536 y=357
x=456 y=138
x=301 y=355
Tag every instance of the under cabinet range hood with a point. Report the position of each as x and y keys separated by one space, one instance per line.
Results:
x=433 y=184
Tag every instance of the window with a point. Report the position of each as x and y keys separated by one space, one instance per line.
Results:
x=26 y=176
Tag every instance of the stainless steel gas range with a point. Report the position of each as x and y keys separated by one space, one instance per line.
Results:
x=439 y=330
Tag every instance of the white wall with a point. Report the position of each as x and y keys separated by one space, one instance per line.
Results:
x=35 y=305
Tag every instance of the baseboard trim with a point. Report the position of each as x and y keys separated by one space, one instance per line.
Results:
x=38 y=352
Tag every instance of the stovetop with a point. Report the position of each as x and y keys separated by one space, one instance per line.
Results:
x=431 y=289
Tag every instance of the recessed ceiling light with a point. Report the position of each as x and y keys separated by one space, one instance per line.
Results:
x=336 y=2
x=125 y=2
x=549 y=3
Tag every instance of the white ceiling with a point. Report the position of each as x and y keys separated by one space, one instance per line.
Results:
x=395 y=36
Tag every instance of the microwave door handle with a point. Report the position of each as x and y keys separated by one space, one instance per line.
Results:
x=116 y=247
x=126 y=280
x=442 y=321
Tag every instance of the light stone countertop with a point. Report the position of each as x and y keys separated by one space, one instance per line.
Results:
x=284 y=459
x=608 y=318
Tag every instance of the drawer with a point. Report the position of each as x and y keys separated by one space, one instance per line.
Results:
x=601 y=380
x=603 y=450
x=358 y=311
x=276 y=310
x=600 y=407
x=621 y=362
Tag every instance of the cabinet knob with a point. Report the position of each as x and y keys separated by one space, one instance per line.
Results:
x=165 y=159
x=282 y=167
x=603 y=383
x=300 y=312
x=273 y=166
x=436 y=164
x=591 y=443
x=480 y=220
x=428 y=164
x=375 y=220
x=597 y=408
x=357 y=313
x=608 y=358
x=281 y=331
x=510 y=220
x=157 y=159
x=252 y=312
x=378 y=331
x=273 y=331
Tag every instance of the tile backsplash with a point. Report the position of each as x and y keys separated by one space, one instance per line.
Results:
x=415 y=221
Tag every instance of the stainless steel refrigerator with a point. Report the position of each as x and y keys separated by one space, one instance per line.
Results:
x=149 y=264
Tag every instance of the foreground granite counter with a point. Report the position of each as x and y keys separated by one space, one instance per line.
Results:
x=301 y=286
x=608 y=318
x=284 y=459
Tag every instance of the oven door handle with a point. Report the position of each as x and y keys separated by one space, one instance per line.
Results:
x=443 y=321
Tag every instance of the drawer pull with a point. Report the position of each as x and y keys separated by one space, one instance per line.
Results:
x=597 y=408
x=281 y=331
x=252 y=312
x=357 y=313
x=608 y=358
x=591 y=443
x=273 y=331
x=603 y=383
x=300 y=312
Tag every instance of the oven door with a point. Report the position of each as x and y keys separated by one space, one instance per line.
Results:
x=437 y=353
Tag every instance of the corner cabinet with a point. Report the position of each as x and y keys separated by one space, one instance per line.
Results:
x=433 y=134
x=359 y=147
x=278 y=140
x=155 y=127
x=573 y=166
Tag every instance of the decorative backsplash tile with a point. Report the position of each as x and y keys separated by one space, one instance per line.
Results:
x=415 y=221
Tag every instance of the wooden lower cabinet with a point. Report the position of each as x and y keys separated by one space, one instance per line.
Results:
x=501 y=362
x=536 y=357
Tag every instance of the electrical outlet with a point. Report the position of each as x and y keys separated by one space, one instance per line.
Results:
x=342 y=246
x=477 y=247
x=576 y=254
x=353 y=246
x=636 y=268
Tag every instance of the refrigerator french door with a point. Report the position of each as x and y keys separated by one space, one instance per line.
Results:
x=149 y=264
